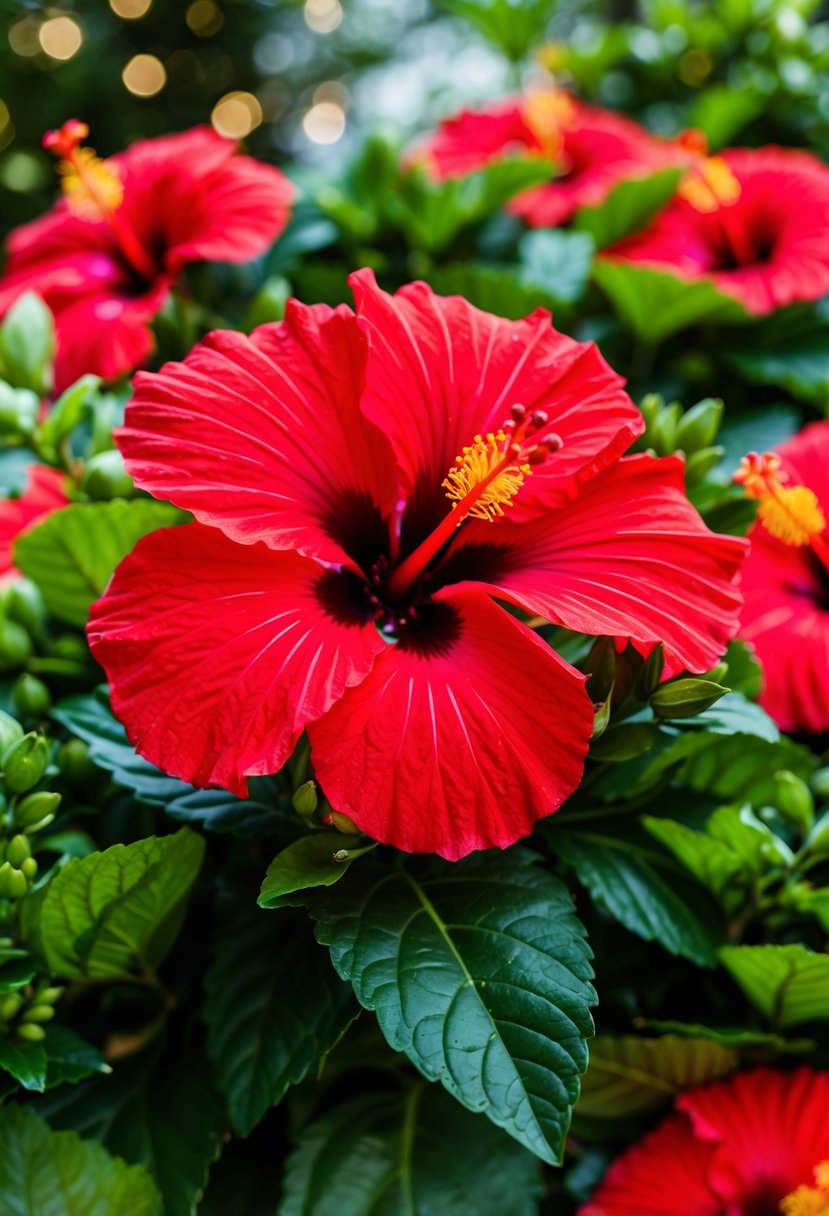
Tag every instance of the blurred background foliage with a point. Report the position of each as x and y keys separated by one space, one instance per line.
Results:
x=301 y=81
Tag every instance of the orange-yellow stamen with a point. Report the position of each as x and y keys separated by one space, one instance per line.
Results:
x=546 y=112
x=92 y=187
x=810 y=1200
x=791 y=513
x=709 y=185
x=486 y=477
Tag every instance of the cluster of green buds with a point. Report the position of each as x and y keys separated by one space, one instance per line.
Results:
x=316 y=812
x=28 y=648
x=23 y=1013
x=24 y=811
x=669 y=428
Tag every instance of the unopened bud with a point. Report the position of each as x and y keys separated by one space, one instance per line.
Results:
x=105 y=477
x=34 y=808
x=818 y=841
x=31 y=1032
x=38 y=1013
x=24 y=604
x=700 y=463
x=304 y=800
x=10 y=731
x=15 y=645
x=29 y=868
x=10 y=1006
x=74 y=763
x=18 y=850
x=335 y=819
x=13 y=882
x=31 y=696
x=793 y=799
x=698 y=426
x=820 y=782
x=49 y=996
x=651 y=673
x=24 y=763
x=686 y=698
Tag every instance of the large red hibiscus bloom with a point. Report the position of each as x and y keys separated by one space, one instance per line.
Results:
x=105 y=257
x=786 y=578
x=43 y=493
x=590 y=150
x=756 y=223
x=363 y=485
x=753 y=1145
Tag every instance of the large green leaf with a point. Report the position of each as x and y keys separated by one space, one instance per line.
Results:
x=725 y=872
x=639 y=885
x=629 y=1075
x=72 y=554
x=112 y=913
x=656 y=304
x=90 y=718
x=26 y=1062
x=789 y=984
x=481 y=974
x=163 y=1114
x=413 y=1153
x=790 y=350
x=69 y=1058
x=274 y=1007
x=628 y=207
x=46 y=1173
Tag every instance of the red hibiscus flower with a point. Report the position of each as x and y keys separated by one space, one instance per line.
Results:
x=753 y=1145
x=363 y=485
x=591 y=150
x=786 y=578
x=105 y=257
x=756 y=223
x=44 y=493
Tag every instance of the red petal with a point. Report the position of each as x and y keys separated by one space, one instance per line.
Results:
x=630 y=557
x=441 y=371
x=218 y=654
x=44 y=493
x=263 y=436
x=771 y=1129
x=663 y=1175
x=461 y=745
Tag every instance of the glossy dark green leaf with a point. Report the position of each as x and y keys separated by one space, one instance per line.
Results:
x=26 y=1062
x=310 y=861
x=628 y=207
x=69 y=1058
x=789 y=984
x=274 y=1007
x=46 y=1173
x=656 y=304
x=73 y=553
x=481 y=974
x=414 y=1152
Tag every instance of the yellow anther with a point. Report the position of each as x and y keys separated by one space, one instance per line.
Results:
x=546 y=112
x=489 y=467
x=710 y=185
x=810 y=1200
x=792 y=514
x=92 y=187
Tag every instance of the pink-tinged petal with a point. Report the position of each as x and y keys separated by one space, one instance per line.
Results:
x=44 y=493
x=308 y=471
x=769 y=1130
x=219 y=654
x=663 y=1175
x=190 y=196
x=440 y=371
x=105 y=333
x=460 y=738
x=629 y=557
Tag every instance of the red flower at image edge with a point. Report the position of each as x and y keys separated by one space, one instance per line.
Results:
x=590 y=149
x=327 y=584
x=785 y=584
x=105 y=257
x=753 y=1145
x=43 y=493
x=756 y=223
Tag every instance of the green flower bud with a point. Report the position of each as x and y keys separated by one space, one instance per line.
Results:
x=38 y=1013
x=685 y=698
x=304 y=800
x=18 y=850
x=18 y=410
x=24 y=604
x=71 y=646
x=335 y=819
x=30 y=1032
x=10 y=731
x=698 y=464
x=105 y=477
x=31 y=696
x=15 y=645
x=36 y=807
x=793 y=799
x=10 y=1006
x=698 y=426
x=24 y=763
x=600 y=666
x=820 y=782
x=662 y=434
x=49 y=996
x=601 y=717
x=651 y=673
x=818 y=841
x=13 y=882
x=29 y=867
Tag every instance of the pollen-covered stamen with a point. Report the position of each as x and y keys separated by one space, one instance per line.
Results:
x=709 y=185
x=790 y=513
x=547 y=112
x=483 y=481
x=810 y=1200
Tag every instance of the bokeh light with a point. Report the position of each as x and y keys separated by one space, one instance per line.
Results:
x=236 y=115
x=130 y=10
x=144 y=76
x=323 y=16
x=204 y=18
x=324 y=123
x=60 y=37
x=24 y=36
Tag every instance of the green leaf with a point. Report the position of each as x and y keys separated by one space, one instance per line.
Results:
x=789 y=984
x=656 y=304
x=629 y=1075
x=274 y=1007
x=558 y=262
x=725 y=872
x=73 y=553
x=729 y=1036
x=113 y=913
x=308 y=862
x=480 y=974
x=418 y=1153
x=492 y=289
x=26 y=1062
x=640 y=886
x=162 y=1114
x=514 y=28
x=790 y=350
x=66 y=413
x=27 y=344
x=628 y=207
x=90 y=718
x=721 y=111
x=69 y=1058
x=57 y=1174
